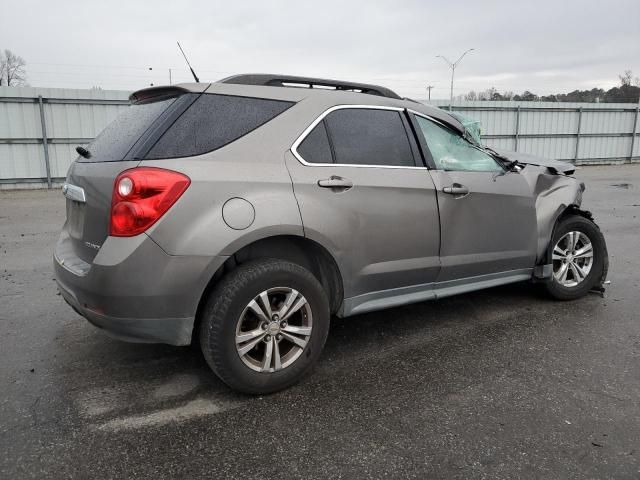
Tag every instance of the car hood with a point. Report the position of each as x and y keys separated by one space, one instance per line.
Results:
x=556 y=166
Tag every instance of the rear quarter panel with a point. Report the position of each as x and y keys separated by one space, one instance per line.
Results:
x=195 y=224
x=251 y=168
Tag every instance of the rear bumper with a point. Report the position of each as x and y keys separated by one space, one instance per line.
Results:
x=174 y=331
x=134 y=290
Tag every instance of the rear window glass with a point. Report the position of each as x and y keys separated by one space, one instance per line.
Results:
x=214 y=121
x=113 y=143
x=315 y=148
x=369 y=137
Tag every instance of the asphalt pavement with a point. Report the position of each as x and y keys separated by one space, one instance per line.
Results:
x=503 y=383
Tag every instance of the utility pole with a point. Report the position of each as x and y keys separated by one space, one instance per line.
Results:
x=169 y=76
x=429 y=87
x=452 y=66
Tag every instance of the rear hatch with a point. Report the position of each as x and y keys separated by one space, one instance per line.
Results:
x=163 y=122
x=119 y=146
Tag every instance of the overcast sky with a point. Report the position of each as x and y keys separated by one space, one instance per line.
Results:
x=547 y=46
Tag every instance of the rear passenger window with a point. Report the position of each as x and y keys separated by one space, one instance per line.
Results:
x=369 y=137
x=214 y=121
x=315 y=147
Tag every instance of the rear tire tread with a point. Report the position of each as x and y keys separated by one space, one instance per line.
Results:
x=216 y=315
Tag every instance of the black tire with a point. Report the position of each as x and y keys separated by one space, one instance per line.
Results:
x=225 y=306
x=598 y=272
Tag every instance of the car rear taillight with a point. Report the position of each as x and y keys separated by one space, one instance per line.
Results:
x=141 y=196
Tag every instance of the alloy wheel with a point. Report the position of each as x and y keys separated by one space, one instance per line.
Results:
x=572 y=259
x=274 y=329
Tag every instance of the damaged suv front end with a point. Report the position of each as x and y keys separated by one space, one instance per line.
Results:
x=557 y=193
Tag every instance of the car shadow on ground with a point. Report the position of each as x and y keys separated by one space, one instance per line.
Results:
x=112 y=362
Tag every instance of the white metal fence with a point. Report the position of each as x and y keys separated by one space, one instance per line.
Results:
x=40 y=127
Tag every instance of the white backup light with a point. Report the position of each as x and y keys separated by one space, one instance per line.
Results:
x=125 y=186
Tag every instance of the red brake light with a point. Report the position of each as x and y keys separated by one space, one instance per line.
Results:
x=141 y=196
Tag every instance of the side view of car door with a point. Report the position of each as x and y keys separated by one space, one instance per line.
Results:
x=487 y=214
x=364 y=193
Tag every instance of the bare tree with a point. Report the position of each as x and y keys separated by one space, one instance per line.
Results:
x=3 y=68
x=472 y=95
x=626 y=78
x=12 y=69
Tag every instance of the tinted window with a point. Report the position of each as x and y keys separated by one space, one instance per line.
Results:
x=452 y=152
x=116 y=140
x=214 y=121
x=315 y=147
x=369 y=137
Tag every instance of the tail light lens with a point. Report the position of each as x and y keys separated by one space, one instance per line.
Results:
x=141 y=196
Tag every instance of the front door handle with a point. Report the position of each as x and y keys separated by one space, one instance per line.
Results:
x=456 y=189
x=336 y=183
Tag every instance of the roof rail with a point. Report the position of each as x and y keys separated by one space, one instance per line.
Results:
x=308 y=82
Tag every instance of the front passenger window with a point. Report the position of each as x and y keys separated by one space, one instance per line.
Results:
x=452 y=152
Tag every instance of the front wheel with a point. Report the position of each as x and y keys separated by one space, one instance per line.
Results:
x=579 y=257
x=264 y=326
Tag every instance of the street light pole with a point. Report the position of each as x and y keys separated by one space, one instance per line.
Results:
x=452 y=66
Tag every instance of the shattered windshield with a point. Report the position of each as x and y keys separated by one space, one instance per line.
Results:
x=472 y=127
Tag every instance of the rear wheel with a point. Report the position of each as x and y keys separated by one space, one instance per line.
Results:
x=264 y=326
x=579 y=258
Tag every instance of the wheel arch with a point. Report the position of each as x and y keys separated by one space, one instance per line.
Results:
x=576 y=211
x=297 y=249
x=562 y=213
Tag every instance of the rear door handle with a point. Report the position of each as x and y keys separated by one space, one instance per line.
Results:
x=456 y=189
x=336 y=183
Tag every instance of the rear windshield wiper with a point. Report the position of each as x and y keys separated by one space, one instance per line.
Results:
x=83 y=152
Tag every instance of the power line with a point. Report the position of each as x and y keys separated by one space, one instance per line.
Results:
x=407 y=82
x=429 y=87
x=112 y=76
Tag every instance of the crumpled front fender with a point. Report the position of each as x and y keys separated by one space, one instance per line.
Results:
x=553 y=195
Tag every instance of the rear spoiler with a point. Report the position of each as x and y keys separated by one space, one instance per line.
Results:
x=153 y=94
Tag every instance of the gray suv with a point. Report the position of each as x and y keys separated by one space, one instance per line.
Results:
x=242 y=214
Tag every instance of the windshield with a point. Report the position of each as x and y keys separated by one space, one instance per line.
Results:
x=471 y=126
